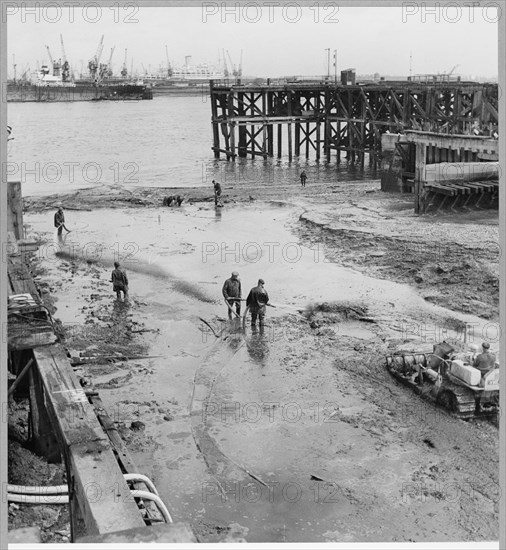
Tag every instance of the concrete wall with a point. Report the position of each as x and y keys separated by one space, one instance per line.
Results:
x=461 y=171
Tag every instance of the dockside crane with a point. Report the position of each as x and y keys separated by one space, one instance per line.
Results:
x=109 y=64
x=65 y=67
x=239 y=70
x=169 y=66
x=124 y=71
x=234 y=70
x=24 y=73
x=14 y=66
x=94 y=63
x=104 y=68
x=225 y=68
x=55 y=65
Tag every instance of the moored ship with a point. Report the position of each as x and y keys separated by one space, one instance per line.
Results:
x=54 y=87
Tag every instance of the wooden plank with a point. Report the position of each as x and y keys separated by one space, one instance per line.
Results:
x=475 y=187
x=15 y=209
x=43 y=439
x=226 y=151
x=23 y=336
x=125 y=460
x=100 y=492
x=436 y=188
x=20 y=278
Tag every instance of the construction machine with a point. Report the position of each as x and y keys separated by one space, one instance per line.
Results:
x=449 y=379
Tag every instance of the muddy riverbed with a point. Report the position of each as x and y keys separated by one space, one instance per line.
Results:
x=296 y=433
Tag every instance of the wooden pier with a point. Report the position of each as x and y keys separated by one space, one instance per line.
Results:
x=441 y=170
x=324 y=120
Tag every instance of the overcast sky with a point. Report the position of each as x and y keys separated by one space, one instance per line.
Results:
x=274 y=41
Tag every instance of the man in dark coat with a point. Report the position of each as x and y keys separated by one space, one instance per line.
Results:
x=256 y=301
x=232 y=293
x=59 y=220
x=303 y=178
x=485 y=361
x=217 y=193
x=119 y=281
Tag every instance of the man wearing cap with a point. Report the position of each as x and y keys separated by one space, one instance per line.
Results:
x=232 y=293
x=256 y=301
x=485 y=361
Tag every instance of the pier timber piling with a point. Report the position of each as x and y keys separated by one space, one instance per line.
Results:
x=325 y=119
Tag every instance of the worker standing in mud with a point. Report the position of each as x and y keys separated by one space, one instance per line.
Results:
x=256 y=301
x=232 y=293
x=217 y=193
x=119 y=282
x=303 y=178
x=59 y=221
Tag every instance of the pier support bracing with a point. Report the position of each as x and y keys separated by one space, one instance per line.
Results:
x=341 y=120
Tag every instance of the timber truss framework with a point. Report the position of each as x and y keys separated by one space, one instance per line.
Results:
x=316 y=119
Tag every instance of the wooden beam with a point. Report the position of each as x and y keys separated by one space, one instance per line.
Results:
x=98 y=490
x=419 y=175
x=15 y=209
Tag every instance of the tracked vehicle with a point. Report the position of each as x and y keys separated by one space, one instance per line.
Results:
x=448 y=379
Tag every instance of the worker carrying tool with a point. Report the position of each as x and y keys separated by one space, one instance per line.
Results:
x=59 y=221
x=232 y=293
x=256 y=301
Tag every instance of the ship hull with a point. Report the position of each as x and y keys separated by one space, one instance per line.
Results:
x=80 y=92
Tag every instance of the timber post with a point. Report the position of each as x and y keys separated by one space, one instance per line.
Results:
x=420 y=160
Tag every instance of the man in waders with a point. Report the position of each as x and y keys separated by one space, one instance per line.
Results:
x=232 y=293
x=217 y=193
x=59 y=220
x=303 y=178
x=256 y=301
x=119 y=282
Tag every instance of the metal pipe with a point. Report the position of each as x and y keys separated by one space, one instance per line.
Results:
x=144 y=479
x=146 y=495
x=38 y=499
x=37 y=489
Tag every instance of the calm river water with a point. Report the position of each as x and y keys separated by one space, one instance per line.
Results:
x=166 y=142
